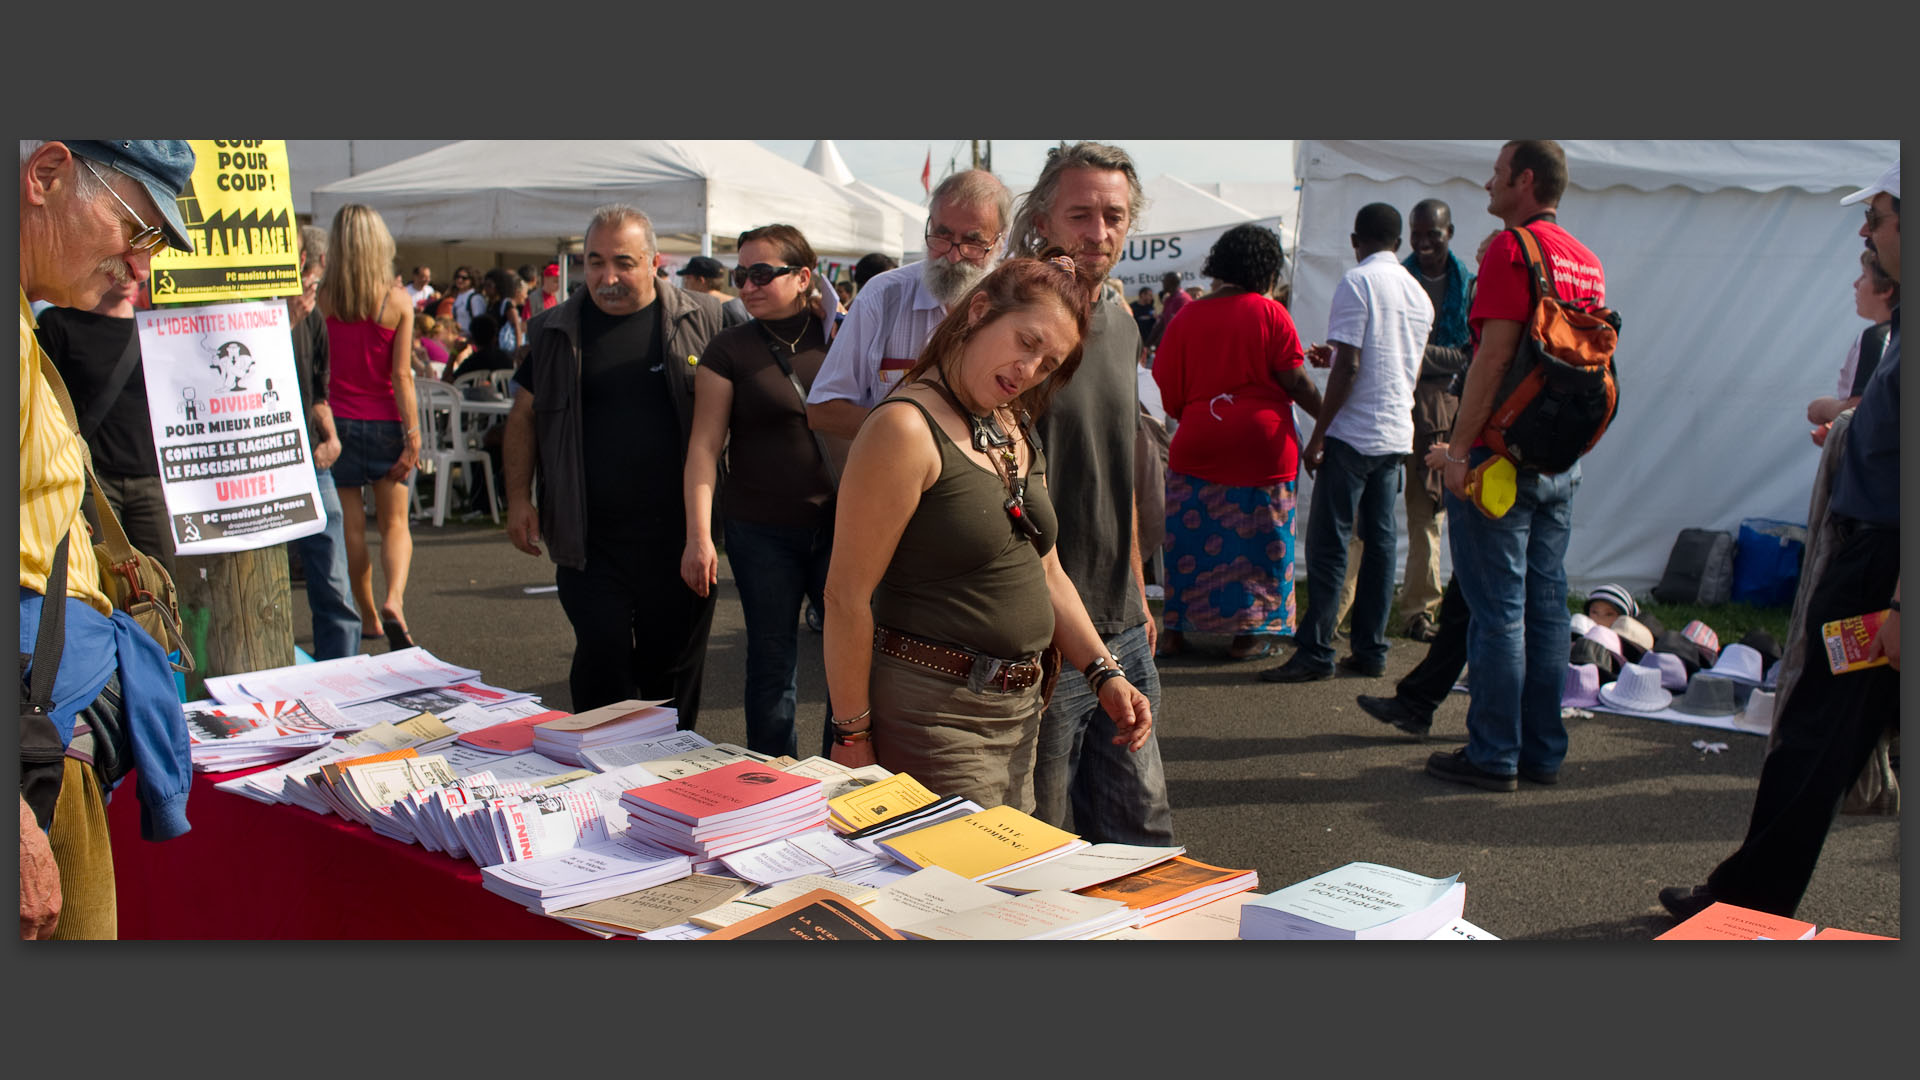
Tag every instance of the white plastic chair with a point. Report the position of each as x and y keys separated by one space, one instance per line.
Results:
x=444 y=444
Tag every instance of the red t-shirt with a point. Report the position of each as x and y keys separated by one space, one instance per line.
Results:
x=1503 y=289
x=1217 y=369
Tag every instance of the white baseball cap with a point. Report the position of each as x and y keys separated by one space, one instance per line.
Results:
x=1889 y=182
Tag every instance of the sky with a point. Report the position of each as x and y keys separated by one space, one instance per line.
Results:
x=895 y=164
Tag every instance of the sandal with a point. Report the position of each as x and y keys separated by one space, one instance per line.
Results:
x=1263 y=647
x=397 y=636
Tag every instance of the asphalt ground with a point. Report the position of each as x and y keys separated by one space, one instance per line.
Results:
x=1287 y=780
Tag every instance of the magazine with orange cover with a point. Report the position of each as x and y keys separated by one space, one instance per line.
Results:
x=728 y=793
x=1727 y=922
x=819 y=915
x=1167 y=881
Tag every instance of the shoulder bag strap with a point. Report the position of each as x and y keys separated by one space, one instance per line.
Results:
x=52 y=638
x=1537 y=264
x=112 y=536
x=110 y=390
x=819 y=443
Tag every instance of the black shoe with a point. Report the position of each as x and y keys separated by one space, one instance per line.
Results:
x=1295 y=670
x=816 y=622
x=1353 y=665
x=1421 y=629
x=1390 y=710
x=1453 y=765
x=1538 y=777
x=1684 y=903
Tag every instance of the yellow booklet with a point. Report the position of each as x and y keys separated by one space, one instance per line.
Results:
x=879 y=801
x=983 y=844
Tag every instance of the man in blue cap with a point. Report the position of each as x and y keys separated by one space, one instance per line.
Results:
x=98 y=698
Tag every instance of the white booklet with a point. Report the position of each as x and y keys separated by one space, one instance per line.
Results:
x=640 y=751
x=928 y=894
x=1084 y=868
x=1048 y=915
x=817 y=851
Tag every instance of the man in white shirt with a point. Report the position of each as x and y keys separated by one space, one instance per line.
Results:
x=1377 y=333
x=421 y=289
x=894 y=313
x=466 y=301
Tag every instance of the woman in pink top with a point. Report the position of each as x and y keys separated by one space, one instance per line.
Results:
x=1230 y=370
x=370 y=343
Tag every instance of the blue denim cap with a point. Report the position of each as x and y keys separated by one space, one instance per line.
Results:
x=161 y=165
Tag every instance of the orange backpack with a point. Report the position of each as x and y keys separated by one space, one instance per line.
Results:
x=1561 y=391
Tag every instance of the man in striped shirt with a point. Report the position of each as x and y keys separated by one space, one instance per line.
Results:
x=85 y=214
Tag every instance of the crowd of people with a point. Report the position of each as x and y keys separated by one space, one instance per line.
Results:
x=941 y=462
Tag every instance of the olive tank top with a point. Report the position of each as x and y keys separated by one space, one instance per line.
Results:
x=963 y=574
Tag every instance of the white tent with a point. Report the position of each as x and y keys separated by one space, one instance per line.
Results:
x=825 y=160
x=1174 y=205
x=487 y=193
x=1730 y=264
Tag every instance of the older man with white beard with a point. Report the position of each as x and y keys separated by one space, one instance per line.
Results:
x=895 y=313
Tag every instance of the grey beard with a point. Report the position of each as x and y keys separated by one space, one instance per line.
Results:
x=949 y=281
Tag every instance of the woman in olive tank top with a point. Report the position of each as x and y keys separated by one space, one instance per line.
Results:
x=944 y=590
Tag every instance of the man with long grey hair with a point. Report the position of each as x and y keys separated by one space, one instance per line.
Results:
x=1086 y=200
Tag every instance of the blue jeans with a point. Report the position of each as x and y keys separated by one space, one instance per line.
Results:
x=323 y=557
x=1512 y=572
x=775 y=567
x=1116 y=796
x=1353 y=493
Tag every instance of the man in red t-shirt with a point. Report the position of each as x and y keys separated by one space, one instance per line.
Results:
x=1510 y=568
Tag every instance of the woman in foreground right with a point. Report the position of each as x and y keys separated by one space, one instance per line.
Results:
x=944 y=589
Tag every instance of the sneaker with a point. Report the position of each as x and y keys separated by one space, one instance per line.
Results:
x=1683 y=902
x=1454 y=766
x=1295 y=670
x=1421 y=629
x=1391 y=710
x=1353 y=665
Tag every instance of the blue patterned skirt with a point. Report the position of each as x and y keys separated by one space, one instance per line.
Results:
x=1229 y=557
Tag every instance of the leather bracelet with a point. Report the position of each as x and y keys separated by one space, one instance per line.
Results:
x=854 y=719
x=848 y=738
x=1099 y=662
x=1103 y=677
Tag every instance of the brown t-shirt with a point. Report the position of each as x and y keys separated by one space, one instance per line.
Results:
x=774 y=472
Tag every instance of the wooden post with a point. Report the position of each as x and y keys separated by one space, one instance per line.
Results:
x=243 y=600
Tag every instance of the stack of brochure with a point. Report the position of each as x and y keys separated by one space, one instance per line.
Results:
x=1044 y=915
x=222 y=738
x=1173 y=887
x=1358 y=901
x=585 y=875
x=720 y=811
x=564 y=738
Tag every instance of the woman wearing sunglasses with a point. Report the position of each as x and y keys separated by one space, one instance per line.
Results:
x=749 y=397
x=945 y=589
x=370 y=341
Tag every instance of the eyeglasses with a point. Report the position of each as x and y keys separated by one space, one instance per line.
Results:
x=149 y=238
x=1874 y=220
x=760 y=274
x=938 y=246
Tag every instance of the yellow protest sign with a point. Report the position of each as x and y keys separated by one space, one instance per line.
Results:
x=238 y=209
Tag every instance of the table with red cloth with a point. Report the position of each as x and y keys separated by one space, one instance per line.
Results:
x=252 y=871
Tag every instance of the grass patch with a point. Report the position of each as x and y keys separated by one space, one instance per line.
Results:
x=1730 y=621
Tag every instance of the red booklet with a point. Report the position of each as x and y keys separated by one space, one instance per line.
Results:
x=729 y=792
x=511 y=737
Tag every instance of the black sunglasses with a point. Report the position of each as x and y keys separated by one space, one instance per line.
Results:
x=760 y=274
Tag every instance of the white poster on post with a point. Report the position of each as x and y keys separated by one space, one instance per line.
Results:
x=228 y=426
x=1149 y=257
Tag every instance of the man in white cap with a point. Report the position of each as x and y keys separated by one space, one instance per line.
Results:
x=92 y=215
x=1827 y=728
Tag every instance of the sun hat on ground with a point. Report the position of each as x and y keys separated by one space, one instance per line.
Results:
x=1707 y=695
x=1582 y=687
x=1741 y=663
x=1673 y=670
x=1637 y=690
x=1635 y=639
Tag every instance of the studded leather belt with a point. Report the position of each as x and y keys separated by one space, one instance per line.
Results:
x=957 y=664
